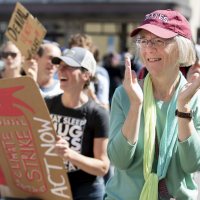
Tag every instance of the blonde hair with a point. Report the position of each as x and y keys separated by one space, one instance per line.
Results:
x=7 y=43
x=187 y=53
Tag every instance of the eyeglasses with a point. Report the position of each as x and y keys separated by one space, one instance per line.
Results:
x=156 y=42
x=9 y=53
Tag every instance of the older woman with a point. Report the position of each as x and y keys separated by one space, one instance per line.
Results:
x=154 y=127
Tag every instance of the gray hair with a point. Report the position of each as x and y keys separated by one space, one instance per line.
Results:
x=187 y=53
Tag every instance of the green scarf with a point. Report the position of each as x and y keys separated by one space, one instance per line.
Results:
x=167 y=143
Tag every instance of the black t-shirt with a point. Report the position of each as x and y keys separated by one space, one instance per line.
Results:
x=79 y=127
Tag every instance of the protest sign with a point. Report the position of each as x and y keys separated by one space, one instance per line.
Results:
x=25 y=31
x=27 y=138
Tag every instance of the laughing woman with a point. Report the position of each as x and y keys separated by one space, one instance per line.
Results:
x=81 y=125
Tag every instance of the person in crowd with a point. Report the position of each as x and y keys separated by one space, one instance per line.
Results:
x=81 y=125
x=112 y=63
x=42 y=70
x=99 y=90
x=102 y=83
x=80 y=40
x=12 y=60
x=154 y=133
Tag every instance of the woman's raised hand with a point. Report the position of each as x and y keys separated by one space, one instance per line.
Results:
x=187 y=92
x=131 y=84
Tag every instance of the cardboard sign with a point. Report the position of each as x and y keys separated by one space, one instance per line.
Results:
x=27 y=138
x=25 y=31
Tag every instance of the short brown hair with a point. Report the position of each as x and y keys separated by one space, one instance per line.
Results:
x=80 y=40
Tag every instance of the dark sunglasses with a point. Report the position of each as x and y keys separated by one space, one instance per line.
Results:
x=6 y=54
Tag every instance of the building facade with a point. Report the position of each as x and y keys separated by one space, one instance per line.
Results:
x=109 y=22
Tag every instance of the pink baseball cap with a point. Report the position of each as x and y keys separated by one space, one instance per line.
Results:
x=165 y=24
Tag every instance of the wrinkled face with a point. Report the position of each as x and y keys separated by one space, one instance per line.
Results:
x=159 y=56
x=11 y=56
x=46 y=69
x=72 y=79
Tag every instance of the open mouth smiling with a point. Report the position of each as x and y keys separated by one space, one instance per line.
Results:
x=154 y=59
x=63 y=79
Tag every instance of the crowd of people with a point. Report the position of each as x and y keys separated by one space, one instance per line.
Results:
x=142 y=123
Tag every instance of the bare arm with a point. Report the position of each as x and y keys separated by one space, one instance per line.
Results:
x=97 y=166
